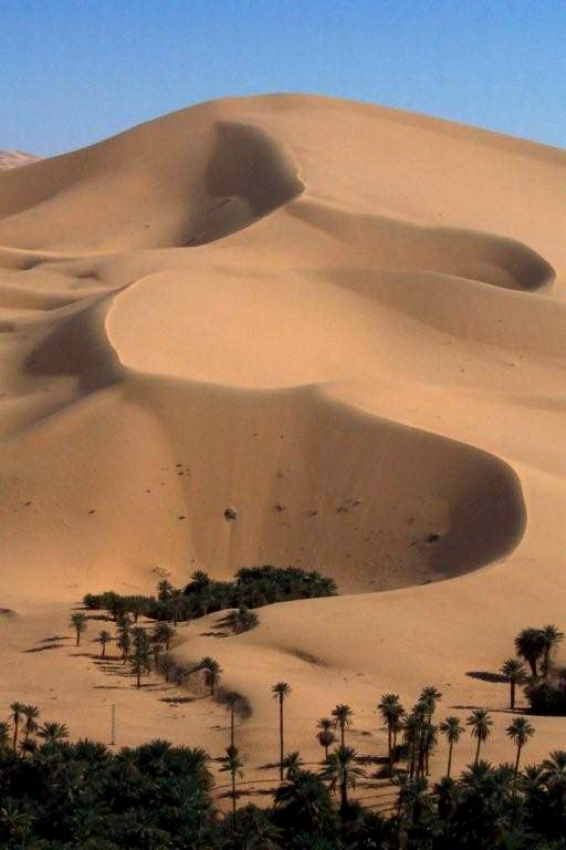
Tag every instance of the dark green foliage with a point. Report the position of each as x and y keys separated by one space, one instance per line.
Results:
x=253 y=587
x=547 y=697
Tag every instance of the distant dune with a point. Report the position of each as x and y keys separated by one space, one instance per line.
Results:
x=347 y=322
x=15 y=159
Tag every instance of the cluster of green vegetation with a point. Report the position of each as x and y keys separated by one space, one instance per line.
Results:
x=545 y=683
x=57 y=795
x=252 y=588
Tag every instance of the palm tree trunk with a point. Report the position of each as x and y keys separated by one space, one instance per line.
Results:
x=138 y=678
x=232 y=726
x=390 y=748
x=281 y=748
x=343 y=796
x=517 y=760
x=449 y=768
x=477 y=758
x=512 y=694
x=342 y=733
x=233 y=798
x=15 y=739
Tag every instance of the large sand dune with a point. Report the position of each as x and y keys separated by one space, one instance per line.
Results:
x=348 y=323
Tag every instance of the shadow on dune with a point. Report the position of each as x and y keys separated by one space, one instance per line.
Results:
x=248 y=176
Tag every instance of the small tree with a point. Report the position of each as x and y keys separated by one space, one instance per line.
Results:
x=452 y=729
x=78 y=623
x=514 y=670
x=325 y=735
x=212 y=671
x=342 y=718
x=342 y=772
x=530 y=644
x=52 y=732
x=163 y=633
x=104 y=637
x=481 y=724
x=17 y=709
x=520 y=731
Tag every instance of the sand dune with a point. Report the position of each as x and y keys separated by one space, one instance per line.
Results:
x=15 y=159
x=347 y=322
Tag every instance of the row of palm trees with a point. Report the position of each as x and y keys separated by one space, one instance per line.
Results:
x=418 y=731
x=22 y=730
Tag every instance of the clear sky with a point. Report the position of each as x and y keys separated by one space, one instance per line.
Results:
x=75 y=71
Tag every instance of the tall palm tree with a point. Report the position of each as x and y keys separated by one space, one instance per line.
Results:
x=233 y=765
x=530 y=644
x=552 y=636
x=452 y=729
x=342 y=772
x=232 y=701
x=391 y=712
x=520 y=730
x=325 y=735
x=104 y=637
x=429 y=697
x=78 y=623
x=280 y=692
x=514 y=670
x=31 y=714
x=212 y=671
x=17 y=709
x=342 y=715
x=52 y=732
x=481 y=724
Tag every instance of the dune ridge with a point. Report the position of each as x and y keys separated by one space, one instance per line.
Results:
x=344 y=321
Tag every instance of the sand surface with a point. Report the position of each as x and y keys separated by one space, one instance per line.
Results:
x=352 y=313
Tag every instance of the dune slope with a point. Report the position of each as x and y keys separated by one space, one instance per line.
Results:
x=344 y=321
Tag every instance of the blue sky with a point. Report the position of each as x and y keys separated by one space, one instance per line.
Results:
x=76 y=71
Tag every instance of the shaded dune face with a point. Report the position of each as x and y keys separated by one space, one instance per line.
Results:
x=176 y=306
x=247 y=177
x=398 y=246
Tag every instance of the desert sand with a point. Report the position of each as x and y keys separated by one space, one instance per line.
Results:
x=352 y=313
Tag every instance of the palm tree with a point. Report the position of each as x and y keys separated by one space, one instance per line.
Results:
x=78 y=623
x=552 y=636
x=232 y=701
x=233 y=765
x=481 y=724
x=342 y=772
x=52 y=732
x=514 y=670
x=104 y=637
x=391 y=712
x=428 y=698
x=4 y=735
x=293 y=764
x=520 y=731
x=280 y=692
x=554 y=775
x=452 y=729
x=124 y=643
x=530 y=644
x=212 y=671
x=304 y=803
x=31 y=713
x=163 y=633
x=325 y=735
x=17 y=709
x=342 y=717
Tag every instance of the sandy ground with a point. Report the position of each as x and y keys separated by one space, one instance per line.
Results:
x=353 y=313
